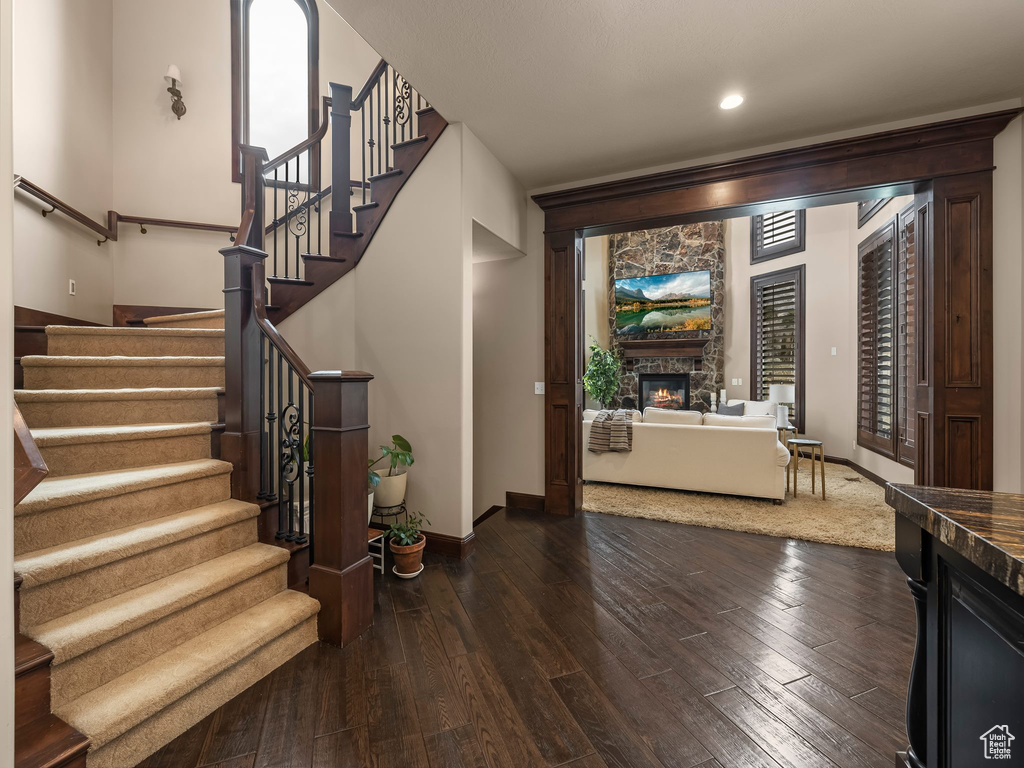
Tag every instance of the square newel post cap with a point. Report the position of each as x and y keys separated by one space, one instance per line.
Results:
x=252 y=254
x=340 y=376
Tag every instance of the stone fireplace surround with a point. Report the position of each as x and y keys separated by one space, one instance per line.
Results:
x=683 y=248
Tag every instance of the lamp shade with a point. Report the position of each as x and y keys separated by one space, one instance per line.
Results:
x=782 y=393
x=173 y=73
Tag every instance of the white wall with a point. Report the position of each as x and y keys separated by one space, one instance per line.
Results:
x=830 y=260
x=6 y=391
x=1008 y=295
x=63 y=125
x=408 y=327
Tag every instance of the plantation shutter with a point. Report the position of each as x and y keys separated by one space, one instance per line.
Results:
x=906 y=399
x=777 y=335
x=877 y=348
x=776 y=234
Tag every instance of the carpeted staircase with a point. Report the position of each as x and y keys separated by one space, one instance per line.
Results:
x=141 y=573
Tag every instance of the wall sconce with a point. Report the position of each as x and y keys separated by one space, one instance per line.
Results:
x=173 y=77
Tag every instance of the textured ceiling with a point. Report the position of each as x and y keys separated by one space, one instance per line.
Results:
x=569 y=89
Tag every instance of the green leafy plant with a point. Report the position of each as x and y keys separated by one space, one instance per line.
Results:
x=408 y=532
x=601 y=379
x=399 y=453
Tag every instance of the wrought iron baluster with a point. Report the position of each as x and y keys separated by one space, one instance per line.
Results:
x=263 y=427
x=299 y=215
x=380 y=132
x=363 y=145
x=310 y=475
x=273 y=192
x=287 y=198
x=371 y=144
x=288 y=456
x=387 y=123
x=271 y=412
x=319 y=214
x=282 y=532
x=300 y=473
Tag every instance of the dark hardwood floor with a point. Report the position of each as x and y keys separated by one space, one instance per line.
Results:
x=596 y=641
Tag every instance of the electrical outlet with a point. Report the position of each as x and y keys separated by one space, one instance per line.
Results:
x=538 y=387
x=71 y=287
x=833 y=351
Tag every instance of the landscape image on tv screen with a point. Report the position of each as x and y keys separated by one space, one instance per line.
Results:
x=663 y=303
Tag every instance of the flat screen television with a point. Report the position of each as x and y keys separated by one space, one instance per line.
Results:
x=663 y=305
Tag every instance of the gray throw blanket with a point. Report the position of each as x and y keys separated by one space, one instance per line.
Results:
x=612 y=431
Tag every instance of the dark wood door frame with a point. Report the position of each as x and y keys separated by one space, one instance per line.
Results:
x=948 y=164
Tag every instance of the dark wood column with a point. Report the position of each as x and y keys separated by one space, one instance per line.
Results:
x=955 y=351
x=240 y=443
x=563 y=364
x=341 y=576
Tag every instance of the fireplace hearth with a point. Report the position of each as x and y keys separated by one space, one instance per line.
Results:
x=665 y=390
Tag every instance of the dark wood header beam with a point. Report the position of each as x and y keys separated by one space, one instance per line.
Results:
x=893 y=158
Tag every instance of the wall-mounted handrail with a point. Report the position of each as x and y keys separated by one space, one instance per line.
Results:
x=109 y=230
x=29 y=467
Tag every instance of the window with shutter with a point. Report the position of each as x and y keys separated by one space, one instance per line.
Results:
x=777 y=336
x=776 y=234
x=877 y=347
x=906 y=396
x=868 y=208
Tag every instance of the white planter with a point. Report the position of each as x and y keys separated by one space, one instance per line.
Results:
x=391 y=491
x=369 y=506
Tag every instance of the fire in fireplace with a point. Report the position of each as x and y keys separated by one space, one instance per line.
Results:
x=665 y=390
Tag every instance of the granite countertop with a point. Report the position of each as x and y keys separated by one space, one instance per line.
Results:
x=985 y=527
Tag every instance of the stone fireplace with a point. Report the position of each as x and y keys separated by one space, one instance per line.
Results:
x=683 y=248
x=664 y=390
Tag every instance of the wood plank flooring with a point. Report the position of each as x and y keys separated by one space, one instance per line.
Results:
x=595 y=642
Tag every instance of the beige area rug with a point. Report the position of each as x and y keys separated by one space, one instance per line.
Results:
x=854 y=512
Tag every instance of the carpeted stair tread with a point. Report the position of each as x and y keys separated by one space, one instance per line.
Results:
x=49 y=436
x=120 y=361
x=131 y=332
x=76 y=633
x=127 y=701
x=133 y=393
x=121 y=372
x=94 y=341
x=47 y=565
x=58 y=492
x=168 y=321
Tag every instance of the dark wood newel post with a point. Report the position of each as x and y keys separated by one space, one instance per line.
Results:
x=341 y=160
x=341 y=576
x=240 y=443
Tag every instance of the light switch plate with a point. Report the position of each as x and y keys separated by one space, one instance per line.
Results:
x=71 y=287
x=538 y=387
x=833 y=351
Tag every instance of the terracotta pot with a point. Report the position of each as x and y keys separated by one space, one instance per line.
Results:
x=407 y=559
x=391 y=491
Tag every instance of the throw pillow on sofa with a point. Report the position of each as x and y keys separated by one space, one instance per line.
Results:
x=731 y=409
x=755 y=407
x=670 y=416
x=745 y=422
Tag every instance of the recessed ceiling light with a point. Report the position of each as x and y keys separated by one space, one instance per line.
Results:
x=731 y=102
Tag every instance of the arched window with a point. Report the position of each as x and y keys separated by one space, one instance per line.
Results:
x=274 y=74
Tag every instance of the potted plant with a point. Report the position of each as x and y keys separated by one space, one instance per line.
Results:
x=407 y=542
x=389 y=489
x=601 y=379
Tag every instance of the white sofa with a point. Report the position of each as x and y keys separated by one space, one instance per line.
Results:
x=738 y=455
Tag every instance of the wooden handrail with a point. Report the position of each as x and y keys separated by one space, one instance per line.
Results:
x=259 y=306
x=305 y=144
x=360 y=97
x=29 y=467
x=109 y=231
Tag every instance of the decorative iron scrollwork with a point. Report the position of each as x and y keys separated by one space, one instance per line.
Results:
x=291 y=459
x=297 y=203
x=403 y=100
